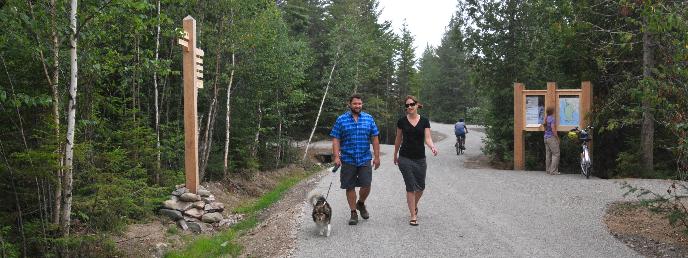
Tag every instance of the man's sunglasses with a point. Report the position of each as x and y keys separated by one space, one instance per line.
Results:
x=410 y=104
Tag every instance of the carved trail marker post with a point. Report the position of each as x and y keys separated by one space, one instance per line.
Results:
x=571 y=110
x=193 y=79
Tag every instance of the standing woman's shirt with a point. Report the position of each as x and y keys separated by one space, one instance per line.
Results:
x=548 y=127
x=414 y=137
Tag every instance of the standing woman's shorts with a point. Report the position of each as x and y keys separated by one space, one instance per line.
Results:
x=413 y=171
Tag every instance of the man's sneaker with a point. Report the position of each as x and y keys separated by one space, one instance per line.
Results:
x=364 y=212
x=354 y=218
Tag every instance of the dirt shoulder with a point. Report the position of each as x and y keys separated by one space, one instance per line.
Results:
x=646 y=232
x=275 y=236
x=160 y=235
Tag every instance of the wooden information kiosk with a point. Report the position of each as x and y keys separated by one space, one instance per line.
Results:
x=571 y=109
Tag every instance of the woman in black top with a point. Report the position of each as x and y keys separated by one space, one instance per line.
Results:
x=412 y=131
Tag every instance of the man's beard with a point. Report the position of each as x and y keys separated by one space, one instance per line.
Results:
x=355 y=111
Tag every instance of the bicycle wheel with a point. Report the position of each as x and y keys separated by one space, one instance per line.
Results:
x=456 y=145
x=588 y=171
x=584 y=168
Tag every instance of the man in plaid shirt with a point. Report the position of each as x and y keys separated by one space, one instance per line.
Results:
x=351 y=135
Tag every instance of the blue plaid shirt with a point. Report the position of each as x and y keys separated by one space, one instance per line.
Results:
x=354 y=138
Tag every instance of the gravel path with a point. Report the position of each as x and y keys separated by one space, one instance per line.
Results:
x=472 y=212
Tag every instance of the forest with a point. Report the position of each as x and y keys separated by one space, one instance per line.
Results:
x=91 y=94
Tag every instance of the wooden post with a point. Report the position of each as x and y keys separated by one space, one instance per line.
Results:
x=551 y=98
x=586 y=107
x=519 y=147
x=192 y=72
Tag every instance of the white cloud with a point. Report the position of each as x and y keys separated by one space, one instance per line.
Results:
x=426 y=19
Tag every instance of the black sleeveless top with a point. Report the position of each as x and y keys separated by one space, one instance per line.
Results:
x=414 y=138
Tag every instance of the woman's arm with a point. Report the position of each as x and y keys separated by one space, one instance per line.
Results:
x=428 y=141
x=397 y=143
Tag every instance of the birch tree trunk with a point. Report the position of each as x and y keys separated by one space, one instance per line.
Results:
x=327 y=88
x=648 y=124
x=157 y=109
x=56 y=112
x=225 y=168
x=210 y=123
x=278 y=153
x=71 y=116
x=254 y=151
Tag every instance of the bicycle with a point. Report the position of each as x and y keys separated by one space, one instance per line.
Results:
x=460 y=144
x=584 y=137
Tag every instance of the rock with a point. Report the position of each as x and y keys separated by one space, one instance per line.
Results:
x=212 y=217
x=198 y=227
x=214 y=207
x=189 y=197
x=177 y=205
x=195 y=227
x=199 y=205
x=193 y=212
x=209 y=199
x=191 y=219
x=179 y=186
x=182 y=224
x=160 y=249
x=180 y=191
x=203 y=192
x=205 y=227
x=172 y=214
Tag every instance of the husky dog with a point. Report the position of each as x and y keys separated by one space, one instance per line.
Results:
x=322 y=212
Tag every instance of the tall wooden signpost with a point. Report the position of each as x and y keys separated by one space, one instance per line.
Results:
x=571 y=107
x=193 y=79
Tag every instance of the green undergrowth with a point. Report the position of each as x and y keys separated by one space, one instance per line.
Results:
x=223 y=243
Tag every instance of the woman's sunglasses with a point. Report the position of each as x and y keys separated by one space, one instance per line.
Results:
x=410 y=104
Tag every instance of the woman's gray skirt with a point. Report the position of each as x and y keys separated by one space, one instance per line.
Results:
x=413 y=171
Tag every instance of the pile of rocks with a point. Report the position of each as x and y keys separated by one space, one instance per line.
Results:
x=196 y=212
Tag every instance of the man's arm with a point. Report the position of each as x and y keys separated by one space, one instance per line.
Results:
x=335 y=152
x=376 y=152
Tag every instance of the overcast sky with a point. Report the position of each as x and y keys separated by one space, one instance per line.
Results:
x=426 y=19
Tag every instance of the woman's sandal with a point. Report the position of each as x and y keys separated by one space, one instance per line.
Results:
x=413 y=222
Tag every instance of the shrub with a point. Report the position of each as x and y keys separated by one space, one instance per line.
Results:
x=672 y=204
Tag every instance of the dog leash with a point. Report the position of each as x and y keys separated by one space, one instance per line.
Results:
x=334 y=170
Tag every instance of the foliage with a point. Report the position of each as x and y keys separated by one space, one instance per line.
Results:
x=672 y=204
x=283 y=53
x=489 y=45
x=7 y=249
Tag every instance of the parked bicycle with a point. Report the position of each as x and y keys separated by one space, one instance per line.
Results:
x=584 y=137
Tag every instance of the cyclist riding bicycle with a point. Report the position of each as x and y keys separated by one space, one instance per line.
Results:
x=460 y=130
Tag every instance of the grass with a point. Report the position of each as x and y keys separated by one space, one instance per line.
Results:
x=223 y=244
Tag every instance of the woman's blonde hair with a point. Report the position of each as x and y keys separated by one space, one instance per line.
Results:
x=411 y=97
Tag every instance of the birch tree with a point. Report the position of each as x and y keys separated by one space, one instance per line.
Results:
x=71 y=123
